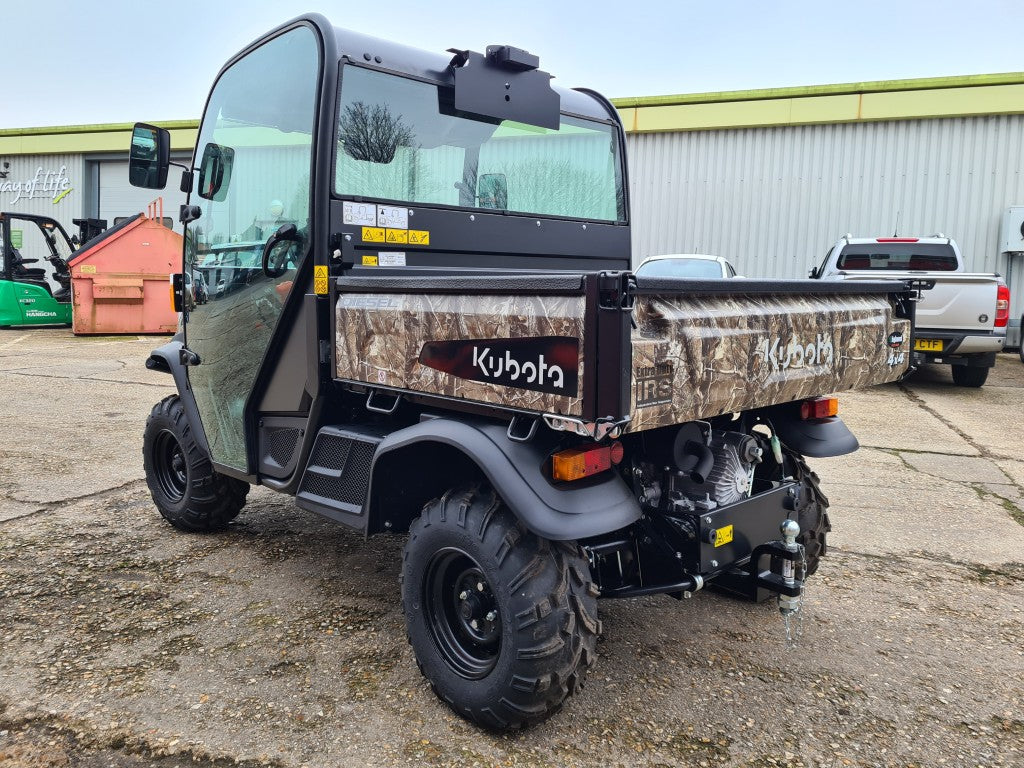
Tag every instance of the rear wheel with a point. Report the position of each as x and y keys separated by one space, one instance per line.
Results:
x=811 y=513
x=185 y=488
x=969 y=376
x=503 y=623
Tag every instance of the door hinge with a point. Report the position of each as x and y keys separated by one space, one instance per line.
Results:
x=187 y=357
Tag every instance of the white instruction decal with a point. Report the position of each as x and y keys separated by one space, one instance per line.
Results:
x=391 y=259
x=360 y=214
x=392 y=217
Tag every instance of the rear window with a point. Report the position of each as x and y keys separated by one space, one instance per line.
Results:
x=933 y=257
x=697 y=268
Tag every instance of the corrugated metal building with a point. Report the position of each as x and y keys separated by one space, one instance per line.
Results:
x=769 y=179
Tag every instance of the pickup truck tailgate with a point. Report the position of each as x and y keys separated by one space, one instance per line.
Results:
x=956 y=302
x=704 y=348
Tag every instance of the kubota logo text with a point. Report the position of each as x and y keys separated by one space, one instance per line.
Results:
x=545 y=363
x=781 y=354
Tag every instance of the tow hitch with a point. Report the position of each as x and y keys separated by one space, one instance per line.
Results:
x=785 y=575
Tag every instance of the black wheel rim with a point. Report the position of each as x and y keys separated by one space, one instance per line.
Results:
x=462 y=613
x=170 y=466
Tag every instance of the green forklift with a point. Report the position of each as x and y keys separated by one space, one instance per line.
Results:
x=35 y=282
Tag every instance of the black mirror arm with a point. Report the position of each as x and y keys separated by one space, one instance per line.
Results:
x=284 y=232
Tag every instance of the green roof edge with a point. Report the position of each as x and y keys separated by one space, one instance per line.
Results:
x=842 y=89
x=170 y=125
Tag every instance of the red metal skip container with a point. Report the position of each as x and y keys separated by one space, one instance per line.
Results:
x=119 y=278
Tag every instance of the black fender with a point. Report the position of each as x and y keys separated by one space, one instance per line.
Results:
x=167 y=359
x=515 y=470
x=818 y=438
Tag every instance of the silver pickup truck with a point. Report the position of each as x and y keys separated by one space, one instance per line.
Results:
x=961 y=316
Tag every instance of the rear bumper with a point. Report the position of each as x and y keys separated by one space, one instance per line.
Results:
x=956 y=343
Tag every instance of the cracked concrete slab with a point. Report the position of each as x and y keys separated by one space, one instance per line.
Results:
x=960 y=469
x=884 y=417
x=12 y=510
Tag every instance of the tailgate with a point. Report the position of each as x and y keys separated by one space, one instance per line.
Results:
x=705 y=348
x=957 y=302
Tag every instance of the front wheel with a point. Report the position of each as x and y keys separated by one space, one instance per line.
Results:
x=503 y=623
x=186 y=489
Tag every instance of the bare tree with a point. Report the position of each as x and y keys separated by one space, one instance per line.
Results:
x=372 y=133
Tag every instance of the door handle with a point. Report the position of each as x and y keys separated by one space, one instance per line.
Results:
x=286 y=232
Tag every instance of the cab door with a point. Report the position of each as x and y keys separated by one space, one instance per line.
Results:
x=254 y=152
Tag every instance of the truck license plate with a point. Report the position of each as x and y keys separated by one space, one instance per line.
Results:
x=927 y=345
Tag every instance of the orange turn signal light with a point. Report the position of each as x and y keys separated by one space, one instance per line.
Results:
x=577 y=463
x=819 y=407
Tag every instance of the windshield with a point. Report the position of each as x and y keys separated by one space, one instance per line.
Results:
x=402 y=140
x=938 y=257
x=681 y=267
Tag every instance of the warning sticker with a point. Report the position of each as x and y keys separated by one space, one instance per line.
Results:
x=369 y=261
x=419 y=237
x=392 y=259
x=359 y=214
x=373 y=235
x=320 y=279
x=723 y=535
x=392 y=217
x=397 y=236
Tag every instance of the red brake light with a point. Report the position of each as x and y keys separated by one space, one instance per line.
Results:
x=1002 y=306
x=896 y=239
x=577 y=463
x=819 y=407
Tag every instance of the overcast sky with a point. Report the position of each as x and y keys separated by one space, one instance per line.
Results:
x=72 y=62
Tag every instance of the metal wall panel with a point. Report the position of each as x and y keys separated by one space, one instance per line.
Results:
x=773 y=200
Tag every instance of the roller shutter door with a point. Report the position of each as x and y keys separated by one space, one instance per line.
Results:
x=119 y=198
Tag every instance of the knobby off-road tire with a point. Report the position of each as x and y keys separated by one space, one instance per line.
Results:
x=468 y=559
x=185 y=488
x=811 y=513
x=969 y=376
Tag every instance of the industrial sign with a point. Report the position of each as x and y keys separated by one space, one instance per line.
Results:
x=47 y=183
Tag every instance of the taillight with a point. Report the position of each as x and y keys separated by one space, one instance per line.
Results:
x=1002 y=306
x=819 y=407
x=577 y=463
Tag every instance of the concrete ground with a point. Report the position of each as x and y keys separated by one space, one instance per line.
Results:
x=281 y=641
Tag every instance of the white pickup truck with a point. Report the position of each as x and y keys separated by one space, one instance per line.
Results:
x=961 y=317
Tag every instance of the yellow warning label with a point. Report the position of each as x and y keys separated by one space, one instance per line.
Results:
x=370 y=261
x=373 y=234
x=419 y=237
x=320 y=279
x=88 y=269
x=397 y=236
x=723 y=535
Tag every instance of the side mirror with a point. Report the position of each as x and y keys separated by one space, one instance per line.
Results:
x=149 y=156
x=492 y=191
x=215 y=172
x=813 y=274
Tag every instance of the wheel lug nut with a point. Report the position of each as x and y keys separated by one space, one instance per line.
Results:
x=474 y=624
x=479 y=586
x=491 y=615
x=463 y=595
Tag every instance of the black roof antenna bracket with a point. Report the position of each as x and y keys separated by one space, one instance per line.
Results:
x=506 y=84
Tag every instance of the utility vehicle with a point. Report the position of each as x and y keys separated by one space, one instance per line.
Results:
x=444 y=339
x=35 y=284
